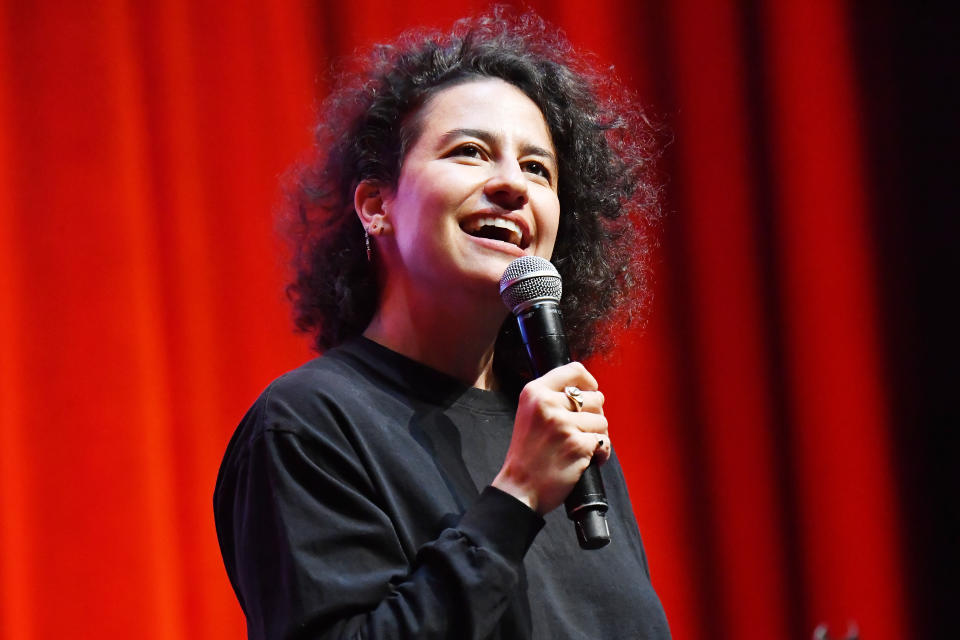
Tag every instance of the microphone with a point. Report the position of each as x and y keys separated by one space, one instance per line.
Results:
x=531 y=289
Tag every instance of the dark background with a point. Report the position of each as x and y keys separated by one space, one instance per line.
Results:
x=908 y=56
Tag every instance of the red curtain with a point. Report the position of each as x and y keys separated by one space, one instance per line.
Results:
x=142 y=308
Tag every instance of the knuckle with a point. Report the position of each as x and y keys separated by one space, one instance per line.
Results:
x=533 y=394
x=588 y=449
x=574 y=449
x=531 y=387
x=526 y=395
x=578 y=367
x=597 y=424
x=553 y=419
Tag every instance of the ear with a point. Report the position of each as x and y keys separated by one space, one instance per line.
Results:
x=368 y=203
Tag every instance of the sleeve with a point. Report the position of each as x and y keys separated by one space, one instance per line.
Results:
x=311 y=555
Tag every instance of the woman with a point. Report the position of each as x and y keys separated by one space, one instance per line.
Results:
x=405 y=483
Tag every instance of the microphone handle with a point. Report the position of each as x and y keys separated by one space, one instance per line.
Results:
x=541 y=327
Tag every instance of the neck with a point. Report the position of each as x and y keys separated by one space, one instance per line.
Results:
x=456 y=338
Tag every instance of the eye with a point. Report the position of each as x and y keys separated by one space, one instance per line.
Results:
x=537 y=168
x=468 y=150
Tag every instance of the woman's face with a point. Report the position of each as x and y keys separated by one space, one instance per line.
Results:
x=476 y=190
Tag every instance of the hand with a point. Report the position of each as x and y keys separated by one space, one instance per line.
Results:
x=552 y=442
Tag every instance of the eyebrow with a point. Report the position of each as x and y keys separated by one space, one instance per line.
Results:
x=493 y=139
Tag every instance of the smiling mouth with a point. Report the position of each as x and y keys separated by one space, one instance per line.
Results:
x=495 y=228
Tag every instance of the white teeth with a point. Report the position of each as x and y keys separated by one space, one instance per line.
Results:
x=503 y=223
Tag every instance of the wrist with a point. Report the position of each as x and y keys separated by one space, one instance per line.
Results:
x=518 y=490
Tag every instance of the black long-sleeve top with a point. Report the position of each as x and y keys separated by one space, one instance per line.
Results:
x=353 y=502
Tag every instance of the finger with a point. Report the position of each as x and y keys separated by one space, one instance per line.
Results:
x=583 y=378
x=592 y=447
x=592 y=401
x=570 y=374
x=603 y=449
x=591 y=423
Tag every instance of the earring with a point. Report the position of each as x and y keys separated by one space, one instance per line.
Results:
x=373 y=229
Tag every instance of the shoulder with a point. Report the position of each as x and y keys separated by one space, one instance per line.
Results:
x=309 y=417
x=317 y=393
x=325 y=379
x=306 y=402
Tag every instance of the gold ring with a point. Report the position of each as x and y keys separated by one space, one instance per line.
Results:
x=576 y=397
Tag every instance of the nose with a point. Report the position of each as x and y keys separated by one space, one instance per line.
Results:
x=507 y=187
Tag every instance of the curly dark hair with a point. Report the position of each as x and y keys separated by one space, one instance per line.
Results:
x=609 y=197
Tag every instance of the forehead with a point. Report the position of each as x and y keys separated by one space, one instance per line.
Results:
x=488 y=104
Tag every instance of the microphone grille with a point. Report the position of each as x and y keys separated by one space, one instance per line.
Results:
x=529 y=279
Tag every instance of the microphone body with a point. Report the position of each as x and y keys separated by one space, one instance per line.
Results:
x=531 y=288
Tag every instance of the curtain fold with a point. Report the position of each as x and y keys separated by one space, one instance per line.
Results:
x=837 y=398
x=719 y=247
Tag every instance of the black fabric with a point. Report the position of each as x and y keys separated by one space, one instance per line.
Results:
x=349 y=505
